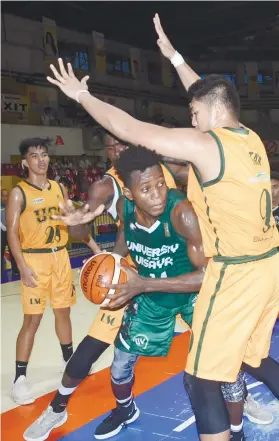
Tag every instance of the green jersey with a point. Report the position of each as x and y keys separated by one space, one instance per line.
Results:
x=159 y=251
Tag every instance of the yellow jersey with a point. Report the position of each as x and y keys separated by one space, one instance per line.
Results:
x=235 y=209
x=119 y=185
x=37 y=230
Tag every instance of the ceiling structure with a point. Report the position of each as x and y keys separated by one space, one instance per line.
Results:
x=208 y=30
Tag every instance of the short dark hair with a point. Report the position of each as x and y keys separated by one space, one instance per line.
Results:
x=33 y=142
x=274 y=175
x=214 y=88
x=135 y=158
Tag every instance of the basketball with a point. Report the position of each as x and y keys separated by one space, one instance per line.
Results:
x=101 y=269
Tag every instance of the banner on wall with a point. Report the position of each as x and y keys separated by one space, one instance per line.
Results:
x=253 y=85
x=135 y=62
x=100 y=53
x=166 y=72
x=50 y=41
x=14 y=108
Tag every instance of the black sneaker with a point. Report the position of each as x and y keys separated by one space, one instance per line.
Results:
x=119 y=417
x=238 y=436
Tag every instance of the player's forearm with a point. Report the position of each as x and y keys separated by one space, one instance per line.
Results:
x=186 y=283
x=187 y=75
x=90 y=242
x=15 y=248
x=79 y=232
x=111 y=118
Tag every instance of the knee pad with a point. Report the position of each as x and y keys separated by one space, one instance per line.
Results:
x=208 y=405
x=235 y=392
x=87 y=352
x=122 y=368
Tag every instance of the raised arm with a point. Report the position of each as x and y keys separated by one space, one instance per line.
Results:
x=184 y=144
x=186 y=74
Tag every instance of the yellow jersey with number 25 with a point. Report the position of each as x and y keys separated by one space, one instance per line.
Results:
x=37 y=229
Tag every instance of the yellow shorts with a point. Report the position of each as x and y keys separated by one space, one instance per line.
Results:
x=106 y=325
x=234 y=317
x=107 y=322
x=55 y=280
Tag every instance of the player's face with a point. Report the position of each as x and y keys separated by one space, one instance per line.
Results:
x=113 y=148
x=37 y=160
x=275 y=192
x=149 y=191
x=202 y=116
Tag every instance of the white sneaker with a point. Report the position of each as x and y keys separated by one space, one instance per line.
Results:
x=41 y=428
x=255 y=413
x=21 y=392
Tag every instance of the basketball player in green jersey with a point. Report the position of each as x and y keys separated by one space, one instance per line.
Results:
x=159 y=229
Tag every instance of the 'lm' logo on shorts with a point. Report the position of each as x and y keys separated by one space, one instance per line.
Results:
x=141 y=340
x=35 y=301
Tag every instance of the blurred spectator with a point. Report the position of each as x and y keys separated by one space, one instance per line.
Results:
x=84 y=162
x=4 y=239
x=47 y=116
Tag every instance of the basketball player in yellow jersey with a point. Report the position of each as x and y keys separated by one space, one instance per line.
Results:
x=231 y=193
x=38 y=243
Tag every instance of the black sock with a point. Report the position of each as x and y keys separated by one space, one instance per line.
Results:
x=67 y=351
x=59 y=402
x=21 y=367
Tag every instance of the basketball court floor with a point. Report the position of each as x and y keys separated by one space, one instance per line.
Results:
x=165 y=410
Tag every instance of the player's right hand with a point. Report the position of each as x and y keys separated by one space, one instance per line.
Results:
x=72 y=216
x=27 y=276
x=163 y=42
x=66 y=80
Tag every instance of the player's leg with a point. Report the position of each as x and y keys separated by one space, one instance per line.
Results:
x=34 y=302
x=267 y=372
x=63 y=329
x=220 y=306
x=234 y=393
x=87 y=353
x=147 y=329
x=62 y=297
x=122 y=381
x=101 y=335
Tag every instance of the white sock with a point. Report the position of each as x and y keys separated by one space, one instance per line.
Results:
x=66 y=390
x=237 y=428
x=126 y=402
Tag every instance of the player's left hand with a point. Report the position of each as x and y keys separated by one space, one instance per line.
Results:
x=67 y=81
x=126 y=291
x=72 y=216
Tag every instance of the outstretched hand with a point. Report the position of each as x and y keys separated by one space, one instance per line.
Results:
x=163 y=42
x=67 y=81
x=72 y=216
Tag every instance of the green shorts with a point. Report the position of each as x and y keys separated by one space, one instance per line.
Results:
x=147 y=328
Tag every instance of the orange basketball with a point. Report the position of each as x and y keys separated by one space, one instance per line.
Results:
x=101 y=269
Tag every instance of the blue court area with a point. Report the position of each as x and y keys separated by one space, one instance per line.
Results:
x=166 y=413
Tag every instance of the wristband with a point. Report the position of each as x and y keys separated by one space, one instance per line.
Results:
x=177 y=59
x=79 y=92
